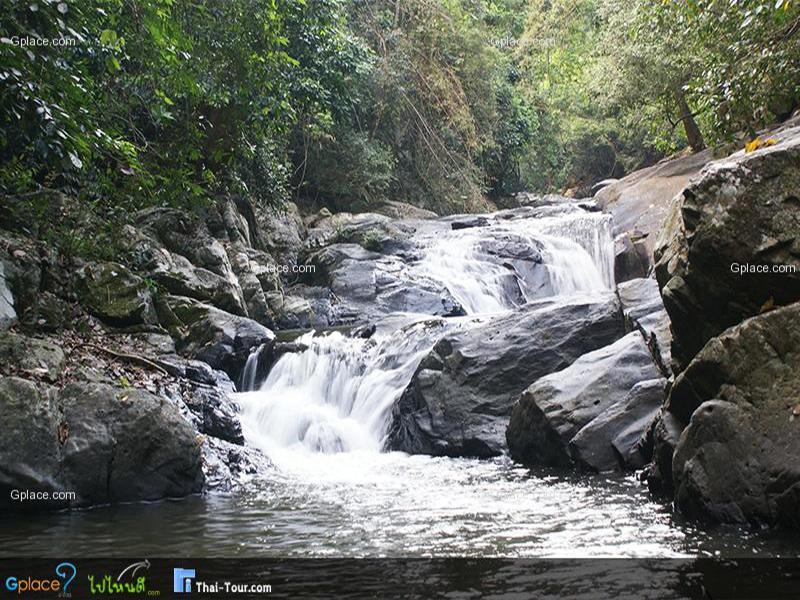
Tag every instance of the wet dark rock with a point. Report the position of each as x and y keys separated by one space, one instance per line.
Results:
x=739 y=458
x=218 y=413
x=460 y=398
x=215 y=337
x=574 y=415
x=467 y=223
x=105 y=444
x=666 y=432
x=741 y=211
x=228 y=466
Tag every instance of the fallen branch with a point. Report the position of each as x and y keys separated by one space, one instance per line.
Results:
x=132 y=358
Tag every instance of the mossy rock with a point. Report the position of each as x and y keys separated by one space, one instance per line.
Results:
x=114 y=294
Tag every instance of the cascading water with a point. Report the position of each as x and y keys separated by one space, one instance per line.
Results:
x=336 y=396
x=576 y=252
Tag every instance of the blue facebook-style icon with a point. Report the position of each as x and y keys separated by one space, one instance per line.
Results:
x=182 y=580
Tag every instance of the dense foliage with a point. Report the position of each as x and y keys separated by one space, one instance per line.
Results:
x=108 y=106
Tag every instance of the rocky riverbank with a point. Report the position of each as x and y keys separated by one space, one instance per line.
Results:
x=118 y=378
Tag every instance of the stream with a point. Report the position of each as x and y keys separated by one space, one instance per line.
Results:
x=322 y=417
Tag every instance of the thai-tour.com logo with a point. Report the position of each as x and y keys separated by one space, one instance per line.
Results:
x=184 y=581
x=59 y=583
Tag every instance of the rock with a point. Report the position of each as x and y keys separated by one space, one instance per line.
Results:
x=227 y=466
x=247 y=272
x=30 y=357
x=50 y=313
x=613 y=439
x=666 y=432
x=216 y=337
x=603 y=183
x=402 y=210
x=112 y=293
x=298 y=312
x=460 y=397
x=592 y=393
x=281 y=233
x=29 y=451
x=644 y=310
x=632 y=258
x=126 y=444
x=218 y=414
x=640 y=203
x=368 y=230
x=526 y=199
x=105 y=444
x=740 y=211
x=367 y=285
x=22 y=270
x=739 y=458
x=177 y=275
x=8 y=316
x=466 y=223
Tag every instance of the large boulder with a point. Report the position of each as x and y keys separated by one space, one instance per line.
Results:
x=461 y=395
x=732 y=244
x=218 y=338
x=368 y=284
x=739 y=458
x=29 y=450
x=106 y=444
x=575 y=415
x=114 y=294
x=280 y=233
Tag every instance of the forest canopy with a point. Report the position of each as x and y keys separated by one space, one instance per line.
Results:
x=124 y=104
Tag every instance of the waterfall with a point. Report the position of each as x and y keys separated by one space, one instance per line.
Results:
x=577 y=254
x=250 y=370
x=336 y=396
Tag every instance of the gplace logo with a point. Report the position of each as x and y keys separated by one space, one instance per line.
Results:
x=65 y=573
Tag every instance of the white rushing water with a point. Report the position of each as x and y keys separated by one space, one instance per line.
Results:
x=335 y=396
x=576 y=249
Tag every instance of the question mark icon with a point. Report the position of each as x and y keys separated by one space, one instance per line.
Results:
x=63 y=569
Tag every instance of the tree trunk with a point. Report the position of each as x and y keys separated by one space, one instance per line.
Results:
x=693 y=135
